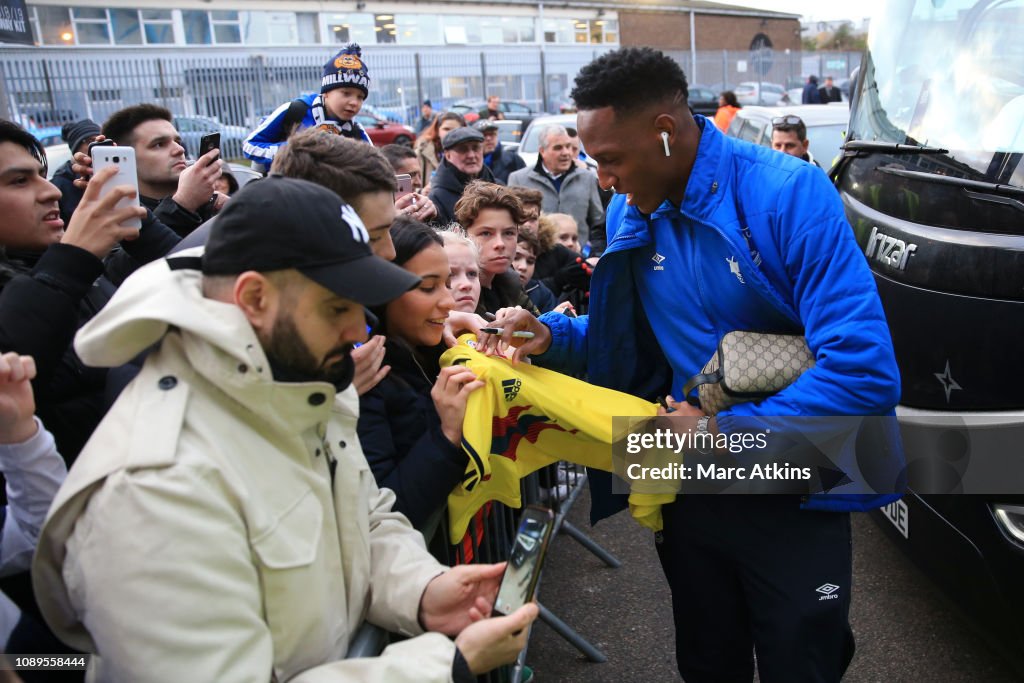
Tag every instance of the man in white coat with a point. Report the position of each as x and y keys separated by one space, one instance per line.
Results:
x=222 y=523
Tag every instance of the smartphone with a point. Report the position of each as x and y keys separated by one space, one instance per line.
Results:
x=104 y=143
x=208 y=142
x=124 y=159
x=404 y=185
x=525 y=560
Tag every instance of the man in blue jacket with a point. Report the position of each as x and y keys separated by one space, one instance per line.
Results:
x=709 y=234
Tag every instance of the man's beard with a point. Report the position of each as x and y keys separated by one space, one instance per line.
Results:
x=291 y=360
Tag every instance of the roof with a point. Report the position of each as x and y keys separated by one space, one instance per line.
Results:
x=699 y=6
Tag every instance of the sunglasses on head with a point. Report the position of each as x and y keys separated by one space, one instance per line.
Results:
x=789 y=120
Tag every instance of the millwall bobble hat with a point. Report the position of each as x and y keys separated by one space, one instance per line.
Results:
x=285 y=223
x=346 y=70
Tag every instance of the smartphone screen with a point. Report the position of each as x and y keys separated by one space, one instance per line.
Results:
x=124 y=159
x=208 y=142
x=526 y=559
x=404 y=185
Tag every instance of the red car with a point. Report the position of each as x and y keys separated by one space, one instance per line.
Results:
x=384 y=132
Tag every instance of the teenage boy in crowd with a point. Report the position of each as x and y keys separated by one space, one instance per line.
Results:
x=527 y=247
x=236 y=533
x=344 y=87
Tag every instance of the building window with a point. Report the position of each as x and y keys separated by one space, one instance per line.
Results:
x=281 y=27
x=125 y=24
x=158 y=26
x=307 y=23
x=611 y=30
x=461 y=29
x=197 y=27
x=350 y=28
x=53 y=25
x=226 y=29
x=419 y=29
x=559 y=30
x=91 y=26
x=385 y=27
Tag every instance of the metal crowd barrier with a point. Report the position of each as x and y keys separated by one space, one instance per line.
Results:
x=489 y=539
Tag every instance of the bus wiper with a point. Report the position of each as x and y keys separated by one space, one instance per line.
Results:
x=865 y=147
x=979 y=190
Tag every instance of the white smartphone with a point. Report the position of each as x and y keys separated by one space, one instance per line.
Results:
x=124 y=159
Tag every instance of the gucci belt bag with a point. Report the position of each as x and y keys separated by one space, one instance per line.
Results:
x=749 y=366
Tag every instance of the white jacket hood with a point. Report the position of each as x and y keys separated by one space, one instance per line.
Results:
x=160 y=296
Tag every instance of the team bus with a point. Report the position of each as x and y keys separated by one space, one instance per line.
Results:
x=932 y=181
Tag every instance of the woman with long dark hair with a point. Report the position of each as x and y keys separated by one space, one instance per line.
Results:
x=410 y=424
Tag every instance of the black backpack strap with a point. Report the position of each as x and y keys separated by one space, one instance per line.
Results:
x=294 y=116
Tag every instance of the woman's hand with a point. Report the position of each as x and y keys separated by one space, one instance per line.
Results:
x=450 y=393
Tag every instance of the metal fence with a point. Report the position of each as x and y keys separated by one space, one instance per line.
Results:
x=235 y=87
x=489 y=539
x=725 y=69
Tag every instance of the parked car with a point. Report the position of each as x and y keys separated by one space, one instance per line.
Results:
x=510 y=132
x=529 y=148
x=50 y=135
x=56 y=155
x=470 y=110
x=826 y=127
x=193 y=128
x=384 y=132
x=244 y=174
x=765 y=94
x=703 y=100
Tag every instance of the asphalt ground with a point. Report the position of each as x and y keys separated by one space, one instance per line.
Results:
x=905 y=631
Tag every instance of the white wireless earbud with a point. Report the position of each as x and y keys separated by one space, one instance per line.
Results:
x=664 y=139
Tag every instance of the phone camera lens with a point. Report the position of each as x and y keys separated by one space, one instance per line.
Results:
x=117 y=159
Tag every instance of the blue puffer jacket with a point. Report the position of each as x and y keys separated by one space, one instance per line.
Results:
x=810 y=269
x=262 y=144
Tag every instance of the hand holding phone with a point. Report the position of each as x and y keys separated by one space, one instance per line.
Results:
x=210 y=141
x=404 y=185
x=526 y=559
x=108 y=213
x=124 y=159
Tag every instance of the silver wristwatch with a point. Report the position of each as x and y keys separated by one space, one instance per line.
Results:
x=702 y=424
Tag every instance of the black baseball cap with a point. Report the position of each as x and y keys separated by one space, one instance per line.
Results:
x=460 y=135
x=484 y=125
x=284 y=223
